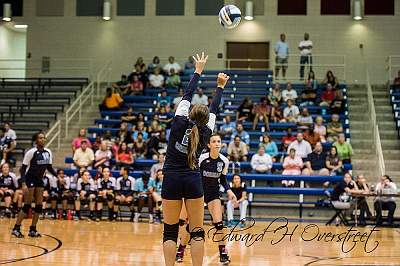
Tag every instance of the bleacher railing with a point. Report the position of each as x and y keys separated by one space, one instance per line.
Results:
x=393 y=66
x=53 y=134
x=375 y=128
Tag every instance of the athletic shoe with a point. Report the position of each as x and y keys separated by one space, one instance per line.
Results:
x=151 y=220
x=179 y=256
x=224 y=259
x=17 y=233
x=76 y=218
x=91 y=217
x=157 y=220
x=230 y=224
x=136 y=218
x=34 y=233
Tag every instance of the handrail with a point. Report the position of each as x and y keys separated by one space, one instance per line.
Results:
x=76 y=106
x=55 y=131
x=375 y=128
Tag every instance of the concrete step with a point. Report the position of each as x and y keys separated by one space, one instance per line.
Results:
x=390 y=134
x=359 y=125
x=392 y=165
x=381 y=108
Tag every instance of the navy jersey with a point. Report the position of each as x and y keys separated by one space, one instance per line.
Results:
x=63 y=184
x=125 y=184
x=46 y=183
x=103 y=184
x=49 y=183
x=5 y=143
x=9 y=181
x=213 y=171
x=88 y=186
x=36 y=163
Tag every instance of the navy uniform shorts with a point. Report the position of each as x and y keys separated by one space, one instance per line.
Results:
x=34 y=182
x=211 y=193
x=178 y=185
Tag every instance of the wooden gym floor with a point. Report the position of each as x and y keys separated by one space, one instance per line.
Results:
x=124 y=243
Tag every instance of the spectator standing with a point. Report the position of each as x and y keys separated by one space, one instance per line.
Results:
x=261 y=163
x=305 y=47
x=281 y=56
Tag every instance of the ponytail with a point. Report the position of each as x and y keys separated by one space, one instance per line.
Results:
x=192 y=147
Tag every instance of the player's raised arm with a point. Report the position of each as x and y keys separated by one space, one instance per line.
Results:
x=184 y=105
x=222 y=79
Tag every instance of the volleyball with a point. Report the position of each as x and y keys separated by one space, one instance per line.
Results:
x=230 y=16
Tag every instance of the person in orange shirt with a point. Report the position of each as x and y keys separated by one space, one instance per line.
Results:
x=112 y=101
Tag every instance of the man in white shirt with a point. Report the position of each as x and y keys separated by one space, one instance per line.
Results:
x=172 y=65
x=200 y=97
x=156 y=80
x=291 y=112
x=305 y=48
x=302 y=147
x=261 y=162
x=84 y=156
x=289 y=93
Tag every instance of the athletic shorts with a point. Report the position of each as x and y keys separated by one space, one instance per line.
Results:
x=178 y=185
x=125 y=193
x=211 y=193
x=281 y=62
x=34 y=182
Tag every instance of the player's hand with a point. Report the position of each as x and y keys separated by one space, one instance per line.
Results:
x=222 y=80
x=200 y=62
x=231 y=196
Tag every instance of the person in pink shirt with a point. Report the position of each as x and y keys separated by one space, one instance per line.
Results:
x=136 y=86
x=76 y=142
x=292 y=166
x=320 y=128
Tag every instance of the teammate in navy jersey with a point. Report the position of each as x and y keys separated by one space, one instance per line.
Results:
x=63 y=192
x=36 y=161
x=105 y=187
x=49 y=195
x=213 y=169
x=8 y=186
x=190 y=132
x=124 y=191
x=6 y=146
x=86 y=192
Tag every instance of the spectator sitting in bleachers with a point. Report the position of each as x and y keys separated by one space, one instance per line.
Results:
x=287 y=140
x=173 y=80
x=261 y=163
x=144 y=188
x=141 y=73
x=156 y=80
x=124 y=157
x=292 y=165
x=308 y=96
x=291 y=112
x=244 y=112
x=289 y=93
x=334 y=128
x=164 y=99
x=83 y=156
x=108 y=139
x=344 y=149
x=302 y=147
x=239 y=189
x=239 y=131
x=112 y=101
x=6 y=146
x=333 y=162
x=96 y=143
x=262 y=112
x=362 y=204
x=331 y=79
x=199 y=97
x=154 y=129
x=76 y=142
x=122 y=86
x=165 y=118
x=154 y=64
x=124 y=134
x=140 y=147
x=311 y=81
x=140 y=62
x=237 y=150
x=115 y=147
x=102 y=156
x=189 y=66
x=270 y=146
x=157 y=145
x=275 y=95
x=276 y=113
x=140 y=129
x=311 y=136
x=228 y=127
x=327 y=96
x=155 y=167
x=172 y=64
x=385 y=187
x=320 y=128
x=136 y=87
x=10 y=132
x=304 y=120
x=316 y=162
x=178 y=98
x=396 y=81
x=338 y=104
x=129 y=116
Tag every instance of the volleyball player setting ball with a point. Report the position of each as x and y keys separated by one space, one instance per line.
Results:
x=213 y=168
x=190 y=133
x=36 y=161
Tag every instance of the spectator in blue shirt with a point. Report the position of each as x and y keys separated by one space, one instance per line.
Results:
x=144 y=187
x=164 y=99
x=140 y=129
x=270 y=146
x=281 y=56
x=244 y=136
x=228 y=127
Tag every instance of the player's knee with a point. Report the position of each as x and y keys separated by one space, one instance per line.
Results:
x=219 y=225
x=197 y=234
x=110 y=197
x=38 y=209
x=26 y=208
x=171 y=232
